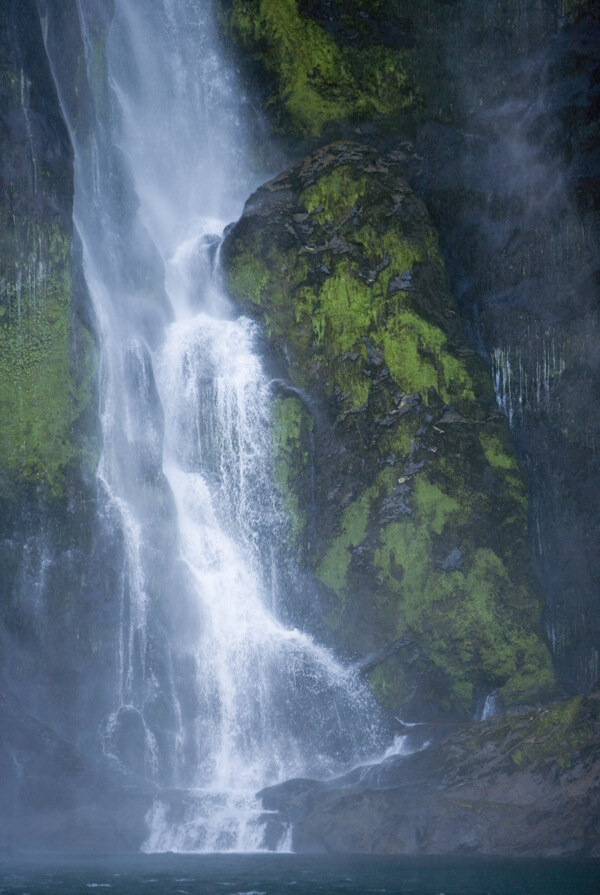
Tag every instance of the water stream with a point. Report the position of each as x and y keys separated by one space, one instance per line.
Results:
x=215 y=696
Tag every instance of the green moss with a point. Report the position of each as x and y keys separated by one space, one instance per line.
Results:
x=251 y=278
x=313 y=81
x=434 y=507
x=333 y=568
x=400 y=252
x=341 y=312
x=466 y=619
x=418 y=358
x=397 y=443
x=495 y=453
x=334 y=195
x=39 y=397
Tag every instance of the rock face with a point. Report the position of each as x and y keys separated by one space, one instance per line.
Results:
x=501 y=101
x=53 y=796
x=405 y=498
x=512 y=183
x=53 y=636
x=526 y=785
x=47 y=351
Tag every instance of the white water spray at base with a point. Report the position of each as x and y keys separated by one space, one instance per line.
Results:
x=263 y=692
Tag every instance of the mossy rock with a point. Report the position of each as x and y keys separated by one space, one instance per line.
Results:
x=315 y=78
x=396 y=469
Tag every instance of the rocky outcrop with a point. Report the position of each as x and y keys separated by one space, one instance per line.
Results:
x=396 y=468
x=503 y=112
x=525 y=785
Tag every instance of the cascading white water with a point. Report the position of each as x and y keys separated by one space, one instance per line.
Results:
x=230 y=700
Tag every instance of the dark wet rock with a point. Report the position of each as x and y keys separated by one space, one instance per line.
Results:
x=509 y=180
x=404 y=497
x=526 y=785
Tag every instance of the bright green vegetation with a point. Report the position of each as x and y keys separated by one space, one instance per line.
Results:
x=333 y=569
x=354 y=304
x=333 y=196
x=416 y=353
x=40 y=397
x=495 y=453
x=312 y=81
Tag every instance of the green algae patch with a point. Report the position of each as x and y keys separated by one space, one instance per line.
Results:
x=40 y=396
x=312 y=82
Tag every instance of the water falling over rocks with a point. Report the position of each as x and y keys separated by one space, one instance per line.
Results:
x=215 y=696
x=201 y=512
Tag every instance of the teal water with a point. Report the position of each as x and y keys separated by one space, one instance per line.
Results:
x=281 y=874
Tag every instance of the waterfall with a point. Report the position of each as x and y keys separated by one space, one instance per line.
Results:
x=214 y=696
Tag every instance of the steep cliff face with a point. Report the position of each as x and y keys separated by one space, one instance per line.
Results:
x=50 y=631
x=398 y=471
x=46 y=377
x=501 y=102
x=511 y=181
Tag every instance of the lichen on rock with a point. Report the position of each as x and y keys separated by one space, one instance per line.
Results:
x=420 y=508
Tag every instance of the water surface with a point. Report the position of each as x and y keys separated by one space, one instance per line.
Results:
x=280 y=874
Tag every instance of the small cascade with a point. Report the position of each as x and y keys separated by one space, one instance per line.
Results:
x=519 y=387
x=491 y=706
x=25 y=101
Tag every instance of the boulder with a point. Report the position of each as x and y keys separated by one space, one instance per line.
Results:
x=405 y=499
